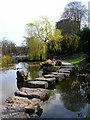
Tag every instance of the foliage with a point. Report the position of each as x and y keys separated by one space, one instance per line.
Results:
x=7 y=60
x=34 y=71
x=69 y=44
x=54 y=44
x=34 y=48
x=21 y=50
x=0 y=62
x=39 y=33
x=58 y=63
x=84 y=40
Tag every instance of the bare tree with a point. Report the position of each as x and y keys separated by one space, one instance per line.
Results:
x=75 y=11
x=8 y=47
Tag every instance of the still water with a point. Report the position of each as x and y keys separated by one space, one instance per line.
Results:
x=64 y=101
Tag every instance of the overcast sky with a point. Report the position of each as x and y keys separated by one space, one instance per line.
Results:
x=15 y=14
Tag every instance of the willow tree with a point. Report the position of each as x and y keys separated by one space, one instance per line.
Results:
x=38 y=34
x=34 y=50
x=54 y=44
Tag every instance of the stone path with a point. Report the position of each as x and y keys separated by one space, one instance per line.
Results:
x=18 y=107
x=33 y=93
x=60 y=74
x=28 y=99
x=37 y=84
x=51 y=81
x=64 y=63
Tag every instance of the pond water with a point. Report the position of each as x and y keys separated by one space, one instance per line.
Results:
x=64 y=101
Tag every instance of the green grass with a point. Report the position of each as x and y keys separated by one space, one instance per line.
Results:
x=76 y=61
x=0 y=62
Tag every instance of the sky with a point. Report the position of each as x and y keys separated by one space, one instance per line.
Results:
x=15 y=14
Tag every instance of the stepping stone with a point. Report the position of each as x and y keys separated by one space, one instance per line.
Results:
x=67 y=66
x=64 y=63
x=50 y=81
x=50 y=76
x=37 y=84
x=60 y=74
x=69 y=69
x=33 y=93
x=20 y=107
x=63 y=71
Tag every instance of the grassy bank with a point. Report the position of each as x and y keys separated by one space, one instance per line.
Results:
x=6 y=61
x=0 y=62
x=77 y=61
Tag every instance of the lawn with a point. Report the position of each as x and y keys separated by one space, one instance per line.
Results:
x=76 y=61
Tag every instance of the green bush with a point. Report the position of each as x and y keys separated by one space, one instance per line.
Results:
x=84 y=35
x=58 y=63
x=7 y=60
x=69 y=44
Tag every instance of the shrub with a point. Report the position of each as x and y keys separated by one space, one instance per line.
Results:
x=58 y=63
x=7 y=60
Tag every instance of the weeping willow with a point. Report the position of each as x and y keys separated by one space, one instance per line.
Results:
x=35 y=48
x=38 y=35
x=44 y=51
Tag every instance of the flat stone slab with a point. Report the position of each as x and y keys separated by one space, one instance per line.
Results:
x=67 y=66
x=66 y=63
x=37 y=84
x=63 y=70
x=50 y=81
x=60 y=74
x=20 y=107
x=66 y=69
x=33 y=93
x=50 y=76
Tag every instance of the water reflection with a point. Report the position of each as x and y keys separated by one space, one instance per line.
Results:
x=65 y=101
x=39 y=113
x=8 y=84
x=21 y=84
x=74 y=99
x=9 y=81
x=34 y=71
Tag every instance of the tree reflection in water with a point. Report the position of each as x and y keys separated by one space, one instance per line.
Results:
x=21 y=84
x=34 y=71
x=74 y=98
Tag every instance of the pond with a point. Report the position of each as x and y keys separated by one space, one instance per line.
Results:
x=64 y=101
